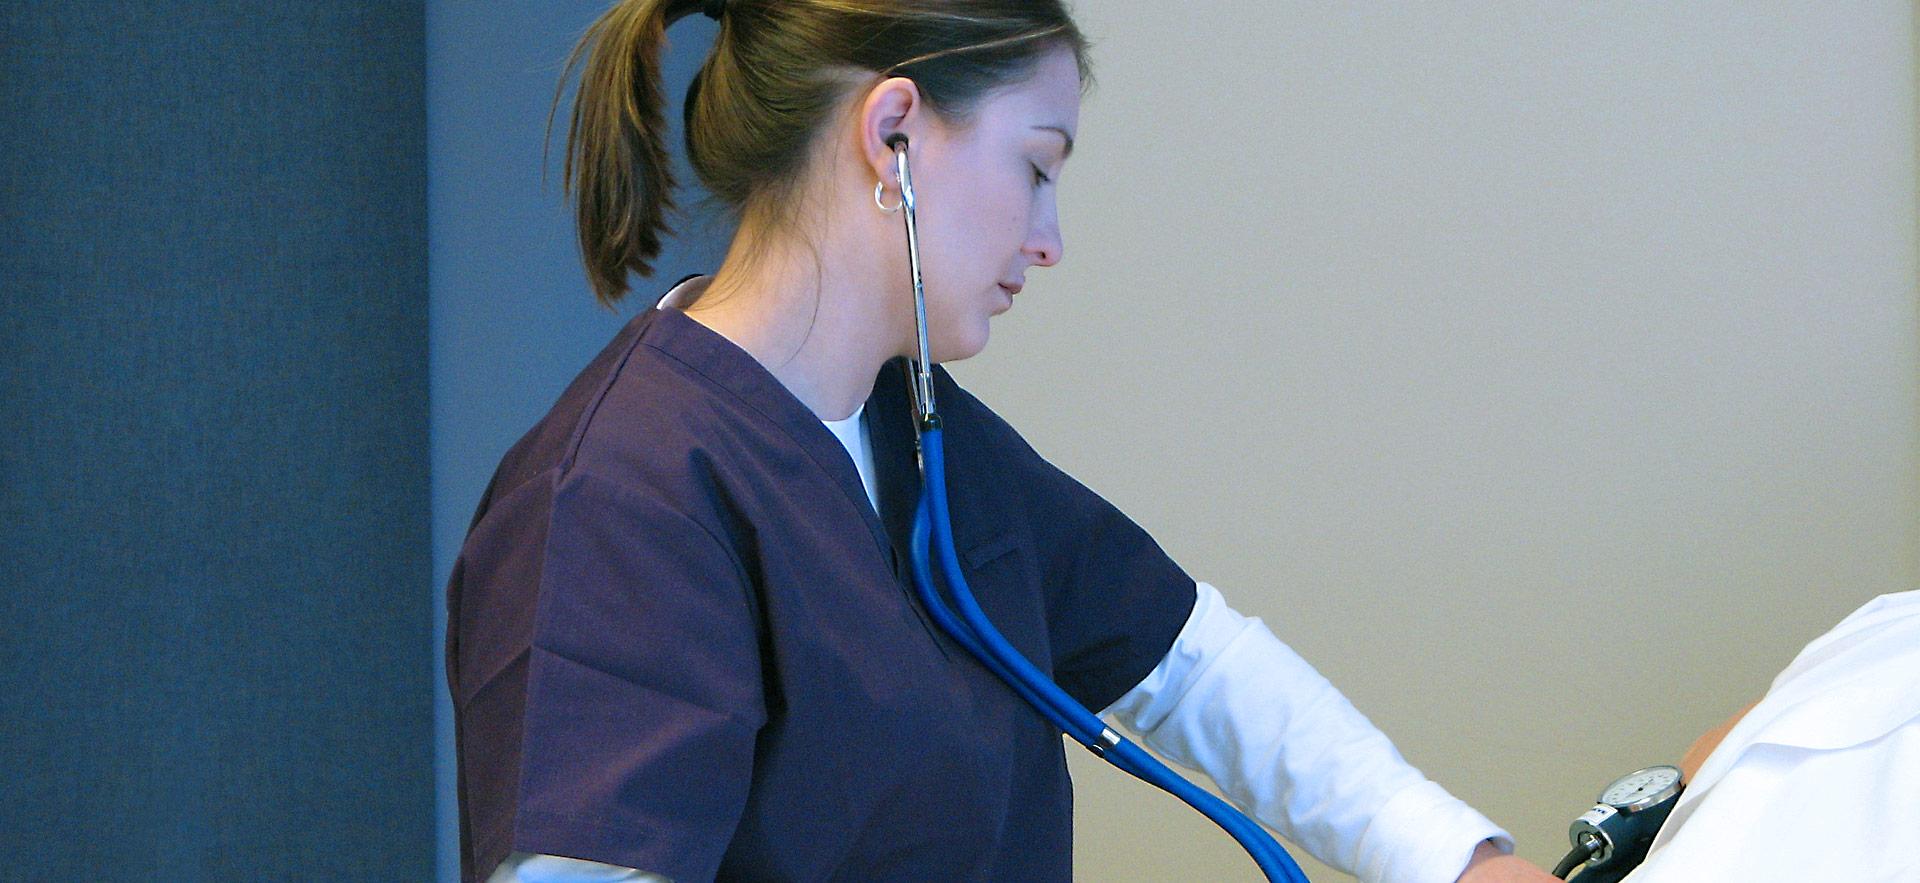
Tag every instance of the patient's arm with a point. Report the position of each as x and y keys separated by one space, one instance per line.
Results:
x=1697 y=754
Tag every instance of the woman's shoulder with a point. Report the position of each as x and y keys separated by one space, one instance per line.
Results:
x=633 y=417
x=985 y=446
x=964 y=414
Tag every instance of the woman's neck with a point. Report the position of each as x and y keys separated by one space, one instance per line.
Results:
x=820 y=328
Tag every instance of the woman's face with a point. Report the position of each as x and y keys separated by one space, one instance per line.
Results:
x=985 y=202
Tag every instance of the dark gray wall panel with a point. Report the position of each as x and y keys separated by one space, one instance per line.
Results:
x=213 y=471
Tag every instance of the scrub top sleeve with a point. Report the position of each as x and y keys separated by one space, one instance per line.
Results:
x=644 y=693
x=1115 y=601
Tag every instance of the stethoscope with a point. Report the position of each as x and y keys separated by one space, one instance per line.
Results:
x=969 y=626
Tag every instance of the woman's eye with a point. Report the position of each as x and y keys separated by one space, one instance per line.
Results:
x=1039 y=177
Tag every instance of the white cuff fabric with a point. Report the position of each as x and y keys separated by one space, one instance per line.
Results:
x=1232 y=701
x=522 y=867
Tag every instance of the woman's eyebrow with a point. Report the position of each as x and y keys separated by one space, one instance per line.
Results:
x=1063 y=136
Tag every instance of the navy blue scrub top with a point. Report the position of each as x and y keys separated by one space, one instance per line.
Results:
x=681 y=640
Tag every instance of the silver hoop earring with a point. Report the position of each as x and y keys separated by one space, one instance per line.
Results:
x=880 y=187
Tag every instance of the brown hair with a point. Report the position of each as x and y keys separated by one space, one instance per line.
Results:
x=775 y=74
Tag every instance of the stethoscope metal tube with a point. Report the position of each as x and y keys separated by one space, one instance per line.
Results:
x=968 y=625
x=923 y=369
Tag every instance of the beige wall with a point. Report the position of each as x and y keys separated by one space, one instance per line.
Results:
x=1545 y=373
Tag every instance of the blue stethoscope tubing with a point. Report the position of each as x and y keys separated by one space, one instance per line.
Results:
x=969 y=626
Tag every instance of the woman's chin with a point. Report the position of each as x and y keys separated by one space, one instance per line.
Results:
x=956 y=347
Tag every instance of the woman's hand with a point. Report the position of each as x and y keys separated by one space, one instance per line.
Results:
x=1490 y=865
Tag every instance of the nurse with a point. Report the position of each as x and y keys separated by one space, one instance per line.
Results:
x=682 y=643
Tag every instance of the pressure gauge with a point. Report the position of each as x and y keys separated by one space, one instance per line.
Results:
x=1640 y=789
x=1612 y=837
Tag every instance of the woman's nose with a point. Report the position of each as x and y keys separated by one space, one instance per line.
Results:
x=1045 y=246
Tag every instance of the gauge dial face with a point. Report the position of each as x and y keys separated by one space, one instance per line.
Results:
x=1636 y=788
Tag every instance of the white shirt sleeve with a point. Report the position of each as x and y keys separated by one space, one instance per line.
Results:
x=1232 y=701
x=522 y=867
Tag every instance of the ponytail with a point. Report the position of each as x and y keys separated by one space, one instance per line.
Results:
x=775 y=76
x=617 y=167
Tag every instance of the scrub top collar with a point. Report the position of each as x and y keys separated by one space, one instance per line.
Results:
x=733 y=369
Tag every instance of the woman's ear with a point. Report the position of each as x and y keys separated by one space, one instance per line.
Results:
x=892 y=107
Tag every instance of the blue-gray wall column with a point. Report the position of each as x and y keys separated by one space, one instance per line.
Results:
x=214 y=518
